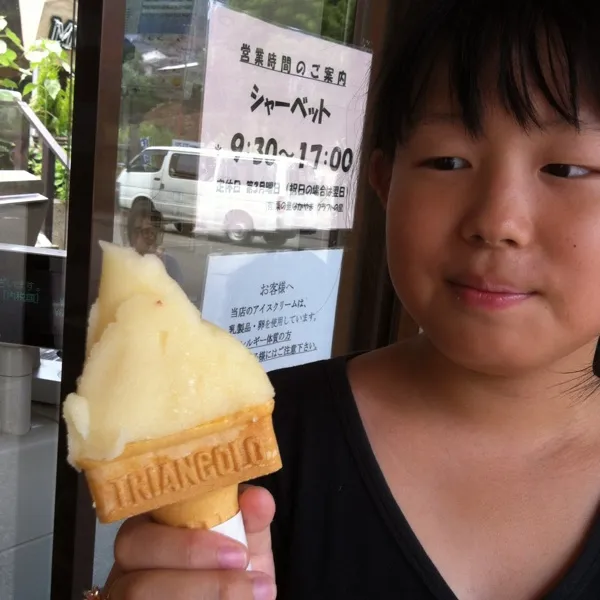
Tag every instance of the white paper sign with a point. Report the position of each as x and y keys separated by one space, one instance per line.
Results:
x=286 y=110
x=280 y=305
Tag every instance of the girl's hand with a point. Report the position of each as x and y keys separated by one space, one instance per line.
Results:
x=154 y=562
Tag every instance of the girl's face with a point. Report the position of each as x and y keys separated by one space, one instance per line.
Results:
x=145 y=236
x=494 y=242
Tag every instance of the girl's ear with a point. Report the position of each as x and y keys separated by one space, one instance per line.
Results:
x=380 y=175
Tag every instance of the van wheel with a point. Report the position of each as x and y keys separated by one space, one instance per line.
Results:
x=275 y=239
x=144 y=200
x=238 y=227
x=185 y=228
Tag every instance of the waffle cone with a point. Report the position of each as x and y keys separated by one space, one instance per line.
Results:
x=189 y=479
x=204 y=512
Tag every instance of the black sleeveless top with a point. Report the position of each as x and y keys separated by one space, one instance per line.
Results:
x=338 y=532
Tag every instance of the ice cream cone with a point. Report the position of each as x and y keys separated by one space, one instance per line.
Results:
x=204 y=512
x=188 y=479
x=171 y=413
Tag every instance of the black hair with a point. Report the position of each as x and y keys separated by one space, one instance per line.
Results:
x=510 y=48
x=518 y=46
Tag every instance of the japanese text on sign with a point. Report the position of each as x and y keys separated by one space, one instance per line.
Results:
x=290 y=108
x=288 y=66
x=280 y=305
x=300 y=105
x=19 y=291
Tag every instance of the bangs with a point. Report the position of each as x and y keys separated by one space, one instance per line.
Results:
x=514 y=52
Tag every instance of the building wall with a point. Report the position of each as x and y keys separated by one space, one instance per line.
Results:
x=46 y=18
x=58 y=22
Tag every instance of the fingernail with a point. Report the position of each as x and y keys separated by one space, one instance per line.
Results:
x=231 y=558
x=263 y=588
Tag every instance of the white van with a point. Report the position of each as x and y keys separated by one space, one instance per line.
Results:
x=193 y=188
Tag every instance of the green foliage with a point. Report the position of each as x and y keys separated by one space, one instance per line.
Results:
x=140 y=91
x=158 y=136
x=64 y=113
x=8 y=56
x=48 y=99
x=330 y=18
x=61 y=177
x=339 y=19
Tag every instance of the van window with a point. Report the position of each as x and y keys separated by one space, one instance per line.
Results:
x=184 y=166
x=193 y=166
x=149 y=161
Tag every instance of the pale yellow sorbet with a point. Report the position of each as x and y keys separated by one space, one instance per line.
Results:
x=154 y=367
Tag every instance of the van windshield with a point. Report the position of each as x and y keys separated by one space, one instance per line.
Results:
x=149 y=161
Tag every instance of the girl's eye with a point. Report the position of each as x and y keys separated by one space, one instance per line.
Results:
x=565 y=171
x=446 y=163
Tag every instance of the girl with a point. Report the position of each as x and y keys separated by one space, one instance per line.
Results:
x=464 y=463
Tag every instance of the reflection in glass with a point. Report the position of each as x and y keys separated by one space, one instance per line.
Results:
x=149 y=161
x=145 y=231
x=333 y=19
x=205 y=193
x=210 y=207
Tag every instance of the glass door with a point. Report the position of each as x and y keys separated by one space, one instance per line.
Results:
x=226 y=141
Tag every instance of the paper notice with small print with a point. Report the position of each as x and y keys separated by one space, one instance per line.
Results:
x=280 y=305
